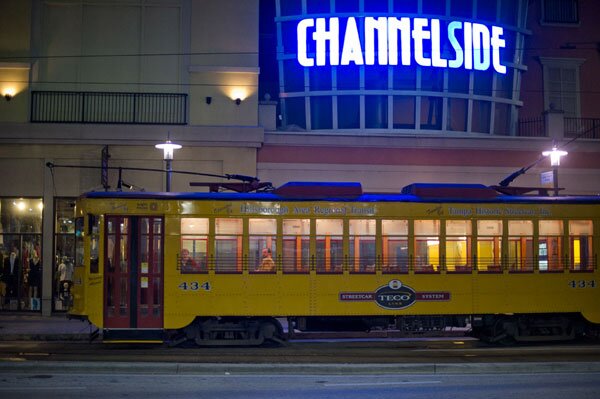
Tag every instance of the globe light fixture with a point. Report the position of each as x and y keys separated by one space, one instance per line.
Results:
x=555 y=154
x=168 y=148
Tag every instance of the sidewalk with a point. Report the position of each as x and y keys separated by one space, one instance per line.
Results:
x=34 y=327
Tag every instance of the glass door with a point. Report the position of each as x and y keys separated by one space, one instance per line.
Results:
x=133 y=271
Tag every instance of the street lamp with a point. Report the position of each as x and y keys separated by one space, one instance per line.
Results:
x=555 y=155
x=168 y=148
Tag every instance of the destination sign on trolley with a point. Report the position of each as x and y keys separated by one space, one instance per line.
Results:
x=399 y=41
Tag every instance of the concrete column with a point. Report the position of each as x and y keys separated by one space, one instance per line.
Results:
x=47 y=241
x=554 y=124
x=267 y=114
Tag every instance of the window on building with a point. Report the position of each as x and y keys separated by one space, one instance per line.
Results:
x=395 y=246
x=427 y=246
x=580 y=244
x=362 y=246
x=64 y=243
x=520 y=245
x=404 y=112
x=21 y=252
x=550 y=245
x=458 y=245
x=263 y=244
x=560 y=11
x=296 y=245
x=329 y=245
x=228 y=245
x=193 y=257
x=348 y=112
x=489 y=245
x=561 y=85
x=320 y=112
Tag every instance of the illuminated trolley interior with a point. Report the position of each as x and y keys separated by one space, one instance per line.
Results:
x=191 y=266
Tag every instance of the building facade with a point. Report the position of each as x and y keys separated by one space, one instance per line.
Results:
x=385 y=92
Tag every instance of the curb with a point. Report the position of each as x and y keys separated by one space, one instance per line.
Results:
x=44 y=337
x=17 y=365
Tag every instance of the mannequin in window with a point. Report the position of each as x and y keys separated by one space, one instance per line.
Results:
x=65 y=276
x=35 y=275
x=11 y=270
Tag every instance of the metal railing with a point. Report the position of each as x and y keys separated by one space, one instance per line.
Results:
x=108 y=107
x=202 y=264
x=588 y=128
x=531 y=127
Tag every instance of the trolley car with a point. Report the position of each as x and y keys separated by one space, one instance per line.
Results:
x=191 y=266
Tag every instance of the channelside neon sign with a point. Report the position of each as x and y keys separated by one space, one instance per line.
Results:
x=400 y=41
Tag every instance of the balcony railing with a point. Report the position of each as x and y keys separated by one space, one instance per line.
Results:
x=110 y=108
x=585 y=128
x=582 y=128
x=532 y=127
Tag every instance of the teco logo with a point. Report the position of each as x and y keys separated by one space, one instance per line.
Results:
x=394 y=295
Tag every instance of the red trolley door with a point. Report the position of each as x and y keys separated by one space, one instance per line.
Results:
x=133 y=272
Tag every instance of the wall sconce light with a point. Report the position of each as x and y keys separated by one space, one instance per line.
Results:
x=238 y=101
x=208 y=99
x=8 y=93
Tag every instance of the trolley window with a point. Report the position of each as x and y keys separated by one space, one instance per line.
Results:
x=395 y=246
x=228 y=245
x=580 y=245
x=296 y=245
x=79 y=252
x=94 y=227
x=520 y=245
x=550 y=245
x=194 y=245
x=263 y=239
x=458 y=245
x=362 y=246
x=427 y=246
x=329 y=245
x=489 y=245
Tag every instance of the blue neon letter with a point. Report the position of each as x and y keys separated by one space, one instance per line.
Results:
x=322 y=36
x=436 y=57
x=497 y=43
x=379 y=25
x=458 y=61
x=481 y=47
x=352 y=51
x=301 y=37
x=402 y=25
x=418 y=35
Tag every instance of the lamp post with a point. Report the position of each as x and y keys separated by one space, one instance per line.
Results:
x=555 y=155
x=168 y=148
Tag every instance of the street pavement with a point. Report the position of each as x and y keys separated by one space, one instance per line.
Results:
x=34 y=327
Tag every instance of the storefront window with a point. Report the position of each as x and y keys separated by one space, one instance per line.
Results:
x=20 y=253
x=64 y=247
